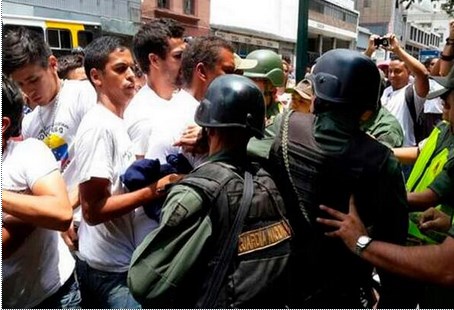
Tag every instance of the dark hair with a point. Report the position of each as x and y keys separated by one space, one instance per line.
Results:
x=428 y=61
x=201 y=50
x=22 y=47
x=395 y=57
x=98 y=51
x=287 y=59
x=78 y=50
x=67 y=63
x=153 y=38
x=12 y=106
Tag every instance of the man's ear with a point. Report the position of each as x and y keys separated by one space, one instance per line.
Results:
x=6 y=123
x=153 y=59
x=201 y=71
x=95 y=77
x=53 y=62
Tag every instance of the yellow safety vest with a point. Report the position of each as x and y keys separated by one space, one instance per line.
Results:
x=422 y=175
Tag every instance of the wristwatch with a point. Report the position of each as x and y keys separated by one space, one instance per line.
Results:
x=362 y=243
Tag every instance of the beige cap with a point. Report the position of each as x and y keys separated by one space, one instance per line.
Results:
x=244 y=64
x=303 y=88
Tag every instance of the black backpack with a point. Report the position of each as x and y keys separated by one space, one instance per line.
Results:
x=257 y=276
x=418 y=120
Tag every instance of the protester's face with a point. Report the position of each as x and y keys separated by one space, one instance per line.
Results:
x=224 y=65
x=267 y=89
x=170 y=66
x=398 y=74
x=116 y=81
x=39 y=84
x=300 y=104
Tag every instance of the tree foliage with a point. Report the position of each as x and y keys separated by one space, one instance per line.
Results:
x=448 y=7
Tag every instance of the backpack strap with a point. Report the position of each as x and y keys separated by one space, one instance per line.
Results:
x=410 y=101
x=231 y=244
x=202 y=179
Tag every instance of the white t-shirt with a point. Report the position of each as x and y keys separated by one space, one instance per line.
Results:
x=434 y=105
x=141 y=113
x=104 y=150
x=170 y=121
x=43 y=263
x=56 y=124
x=155 y=124
x=394 y=102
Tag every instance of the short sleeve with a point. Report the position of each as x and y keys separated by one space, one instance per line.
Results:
x=94 y=157
x=38 y=165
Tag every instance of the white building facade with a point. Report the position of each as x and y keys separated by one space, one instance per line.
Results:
x=273 y=24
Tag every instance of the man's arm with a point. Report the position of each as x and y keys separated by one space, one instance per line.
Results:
x=406 y=155
x=420 y=201
x=431 y=263
x=417 y=68
x=182 y=235
x=371 y=47
x=448 y=52
x=47 y=206
x=14 y=232
x=99 y=206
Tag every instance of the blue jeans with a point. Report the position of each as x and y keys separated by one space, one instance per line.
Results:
x=67 y=296
x=101 y=289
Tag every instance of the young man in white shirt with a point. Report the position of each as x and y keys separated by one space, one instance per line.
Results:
x=38 y=269
x=158 y=46
x=103 y=152
x=61 y=104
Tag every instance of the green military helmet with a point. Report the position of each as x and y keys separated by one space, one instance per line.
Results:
x=232 y=101
x=269 y=67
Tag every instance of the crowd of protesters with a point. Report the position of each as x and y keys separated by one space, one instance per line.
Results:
x=174 y=173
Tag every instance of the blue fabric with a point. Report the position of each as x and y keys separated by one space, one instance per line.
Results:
x=67 y=297
x=144 y=172
x=105 y=290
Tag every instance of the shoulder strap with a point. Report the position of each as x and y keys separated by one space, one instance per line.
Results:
x=227 y=251
x=210 y=181
x=410 y=101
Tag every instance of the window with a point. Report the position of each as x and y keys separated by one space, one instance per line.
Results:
x=59 y=39
x=367 y=3
x=84 y=37
x=164 y=4
x=188 y=7
x=316 y=6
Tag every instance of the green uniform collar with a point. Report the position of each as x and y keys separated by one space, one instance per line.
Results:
x=233 y=157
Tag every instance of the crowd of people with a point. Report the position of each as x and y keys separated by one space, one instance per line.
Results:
x=174 y=173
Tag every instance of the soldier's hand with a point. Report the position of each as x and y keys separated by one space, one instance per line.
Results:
x=189 y=136
x=349 y=226
x=433 y=219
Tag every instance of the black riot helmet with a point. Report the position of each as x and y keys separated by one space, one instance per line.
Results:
x=233 y=101
x=347 y=80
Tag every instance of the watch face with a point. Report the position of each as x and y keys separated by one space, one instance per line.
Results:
x=363 y=240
